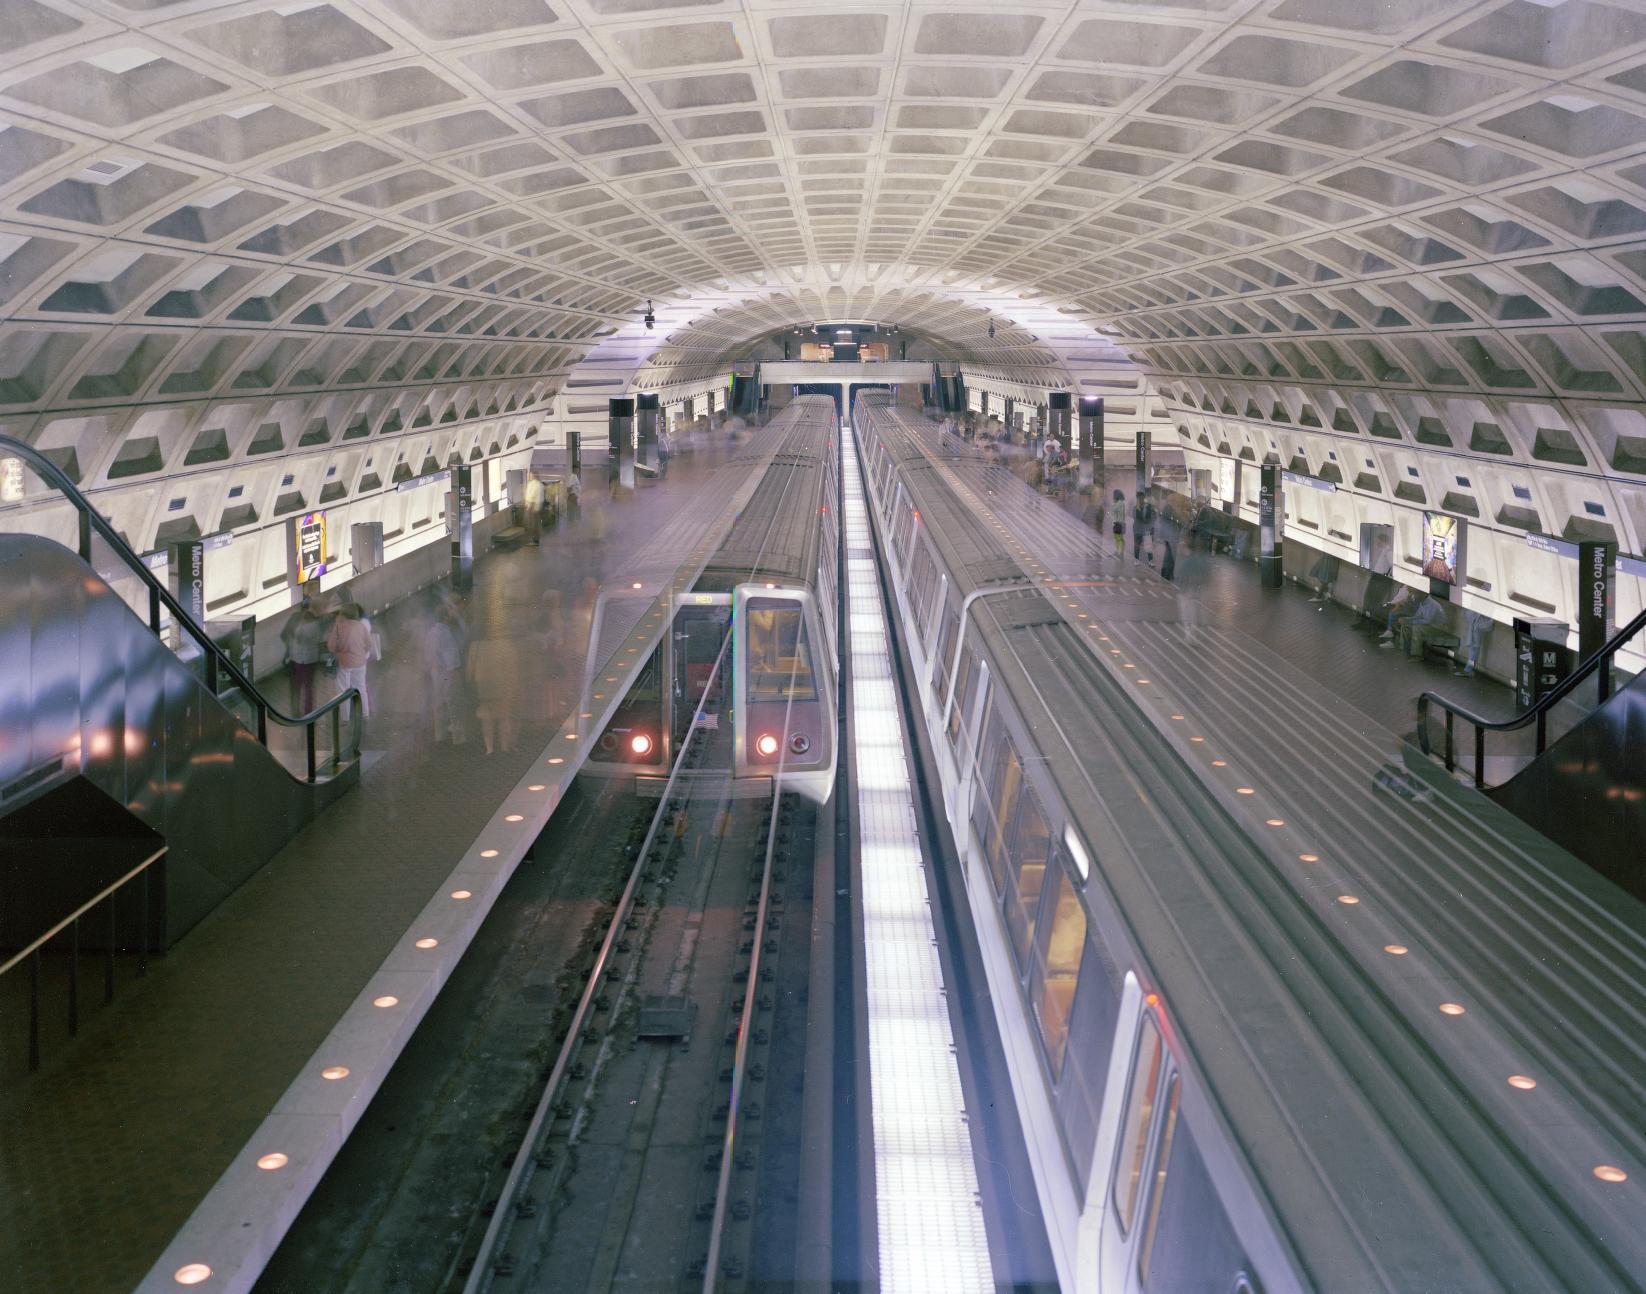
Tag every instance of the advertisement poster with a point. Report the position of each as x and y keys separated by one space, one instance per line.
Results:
x=1441 y=534
x=311 y=546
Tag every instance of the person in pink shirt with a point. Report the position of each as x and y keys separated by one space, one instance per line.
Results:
x=350 y=641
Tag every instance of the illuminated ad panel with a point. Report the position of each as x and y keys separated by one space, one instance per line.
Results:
x=309 y=546
x=1442 y=547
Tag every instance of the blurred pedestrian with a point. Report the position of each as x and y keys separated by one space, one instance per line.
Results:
x=303 y=635
x=442 y=662
x=1119 y=522
x=350 y=640
x=494 y=665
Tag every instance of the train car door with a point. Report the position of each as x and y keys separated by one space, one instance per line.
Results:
x=1142 y=1149
x=701 y=623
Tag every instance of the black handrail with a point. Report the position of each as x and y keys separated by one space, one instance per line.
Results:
x=214 y=656
x=1600 y=661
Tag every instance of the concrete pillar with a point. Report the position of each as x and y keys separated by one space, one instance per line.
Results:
x=646 y=419
x=620 y=441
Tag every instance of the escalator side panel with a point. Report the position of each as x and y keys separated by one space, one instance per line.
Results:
x=86 y=689
x=1587 y=792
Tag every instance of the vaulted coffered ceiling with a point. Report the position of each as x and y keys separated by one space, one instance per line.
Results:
x=398 y=209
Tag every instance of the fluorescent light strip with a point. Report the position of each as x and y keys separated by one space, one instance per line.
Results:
x=932 y=1236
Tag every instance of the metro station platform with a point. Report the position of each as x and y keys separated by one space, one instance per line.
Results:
x=117 y=1137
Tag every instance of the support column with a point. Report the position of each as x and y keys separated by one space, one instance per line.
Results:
x=620 y=441
x=1596 y=598
x=186 y=573
x=1091 y=442
x=461 y=499
x=645 y=426
x=1270 y=510
x=1059 y=411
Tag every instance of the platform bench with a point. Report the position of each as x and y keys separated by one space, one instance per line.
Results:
x=509 y=537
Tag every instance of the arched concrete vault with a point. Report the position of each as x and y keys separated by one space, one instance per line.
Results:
x=1397 y=236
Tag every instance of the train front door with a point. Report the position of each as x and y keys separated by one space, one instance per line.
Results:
x=701 y=623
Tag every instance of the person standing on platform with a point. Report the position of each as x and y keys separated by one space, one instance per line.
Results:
x=350 y=640
x=1143 y=516
x=1323 y=574
x=1476 y=625
x=303 y=638
x=1169 y=530
x=1119 y=523
x=494 y=664
x=442 y=662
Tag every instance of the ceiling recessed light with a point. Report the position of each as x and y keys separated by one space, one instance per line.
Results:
x=268 y=1163
x=331 y=1073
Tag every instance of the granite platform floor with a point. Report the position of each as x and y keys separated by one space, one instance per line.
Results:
x=107 y=1148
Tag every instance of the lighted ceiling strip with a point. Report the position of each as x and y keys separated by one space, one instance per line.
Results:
x=930 y=1221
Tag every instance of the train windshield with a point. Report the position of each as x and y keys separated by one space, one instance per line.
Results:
x=778 y=657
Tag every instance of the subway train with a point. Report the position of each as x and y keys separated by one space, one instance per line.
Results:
x=770 y=587
x=1218 y=1094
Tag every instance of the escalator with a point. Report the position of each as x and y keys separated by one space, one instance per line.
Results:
x=1587 y=790
x=175 y=733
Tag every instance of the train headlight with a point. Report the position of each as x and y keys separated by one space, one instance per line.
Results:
x=766 y=744
x=800 y=743
x=640 y=744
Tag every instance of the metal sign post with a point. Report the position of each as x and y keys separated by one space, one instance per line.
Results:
x=462 y=527
x=1269 y=506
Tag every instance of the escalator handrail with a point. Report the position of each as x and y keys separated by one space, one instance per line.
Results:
x=1543 y=705
x=55 y=477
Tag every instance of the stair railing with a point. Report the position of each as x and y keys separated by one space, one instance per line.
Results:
x=216 y=661
x=1599 y=662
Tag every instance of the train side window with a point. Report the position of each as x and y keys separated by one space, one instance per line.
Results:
x=1162 y=1162
x=990 y=742
x=1056 y=972
x=970 y=673
x=1092 y=1025
x=1005 y=788
x=1135 y=1121
x=1030 y=852
x=941 y=659
x=1190 y=1243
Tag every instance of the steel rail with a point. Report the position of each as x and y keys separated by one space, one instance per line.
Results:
x=740 y=1054
x=480 y=1272
x=519 y=1171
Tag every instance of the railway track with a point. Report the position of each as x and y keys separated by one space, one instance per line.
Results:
x=643 y=1161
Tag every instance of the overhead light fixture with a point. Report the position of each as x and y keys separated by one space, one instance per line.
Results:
x=991 y=328
x=651 y=319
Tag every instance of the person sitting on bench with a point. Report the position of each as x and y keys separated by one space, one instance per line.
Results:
x=1428 y=621
x=1400 y=608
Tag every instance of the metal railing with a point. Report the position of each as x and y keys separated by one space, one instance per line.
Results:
x=1599 y=663
x=31 y=952
x=216 y=662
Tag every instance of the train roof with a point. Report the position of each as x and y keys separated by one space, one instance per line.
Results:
x=776 y=535
x=1390 y=1155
